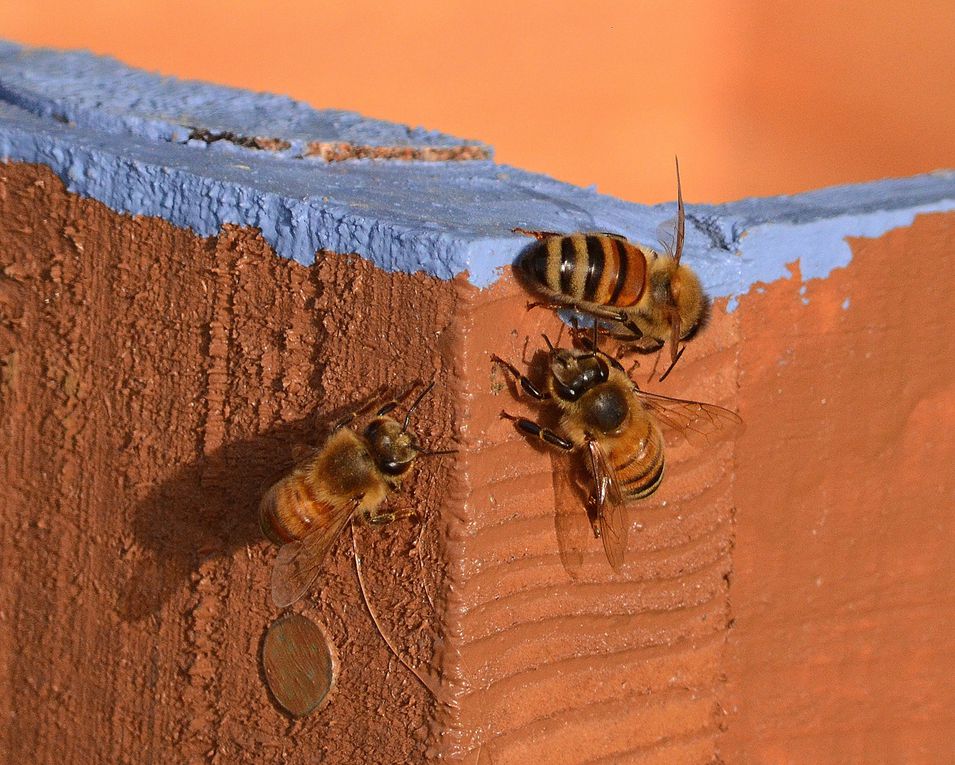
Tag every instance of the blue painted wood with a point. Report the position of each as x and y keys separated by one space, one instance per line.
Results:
x=120 y=136
x=101 y=93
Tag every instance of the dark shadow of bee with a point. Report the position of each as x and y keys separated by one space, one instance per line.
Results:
x=209 y=509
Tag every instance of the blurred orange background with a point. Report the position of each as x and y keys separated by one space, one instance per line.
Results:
x=756 y=97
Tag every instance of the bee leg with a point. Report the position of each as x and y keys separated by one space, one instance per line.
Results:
x=531 y=428
x=630 y=324
x=647 y=345
x=582 y=335
x=382 y=519
x=372 y=403
x=346 y=420
x=395 y=402
x=529 y=387
x=538 y=235
x=387 y=409
x=656 y=362
x=597 y=313
x=590 y=344
x=362 y=410
x=545 y=304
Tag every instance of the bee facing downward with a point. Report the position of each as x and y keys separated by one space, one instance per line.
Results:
x=648 y=298
x=353 y=472
x=615 y=427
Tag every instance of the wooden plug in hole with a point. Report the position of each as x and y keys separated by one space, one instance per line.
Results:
x=298 y=662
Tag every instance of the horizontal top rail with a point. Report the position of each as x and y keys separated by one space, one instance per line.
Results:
x=101 y=93
x=201 y=156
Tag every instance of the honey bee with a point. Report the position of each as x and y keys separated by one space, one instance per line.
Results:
x=647 y=298
x=352 y=473
x=616 y=428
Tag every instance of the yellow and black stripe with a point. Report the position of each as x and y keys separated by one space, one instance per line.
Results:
x=600 y=269
x=640 y=470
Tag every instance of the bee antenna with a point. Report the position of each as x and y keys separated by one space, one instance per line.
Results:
x=550 y=345
x=672 y=364
x=435 y=452
x=414 y=406
x=680 y=216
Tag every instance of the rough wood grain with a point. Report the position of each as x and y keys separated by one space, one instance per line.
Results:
x=153 y=385
x=584 y=666
x=785 y=599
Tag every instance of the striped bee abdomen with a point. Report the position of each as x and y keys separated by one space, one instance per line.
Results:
x=586 y=268
x=291 y=508
x=640 y=467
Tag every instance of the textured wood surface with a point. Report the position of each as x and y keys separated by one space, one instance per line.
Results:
x=577 y=664
x=153 y=386
x=786 y=598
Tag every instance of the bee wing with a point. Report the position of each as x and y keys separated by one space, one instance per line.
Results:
x=666 y=235
x=699 y=423
x=297 y=563
x=609 y=506
x=611 y=234
x=672 y=231
x=302 y=453
x=571 y=521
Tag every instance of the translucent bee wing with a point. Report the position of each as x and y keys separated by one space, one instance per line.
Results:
x=699 y=423
x=610 y=509
x=611 y=234
x=666 y=235
x=672 y=231
x=298 y=563
x=302 y=452
x=571 y=521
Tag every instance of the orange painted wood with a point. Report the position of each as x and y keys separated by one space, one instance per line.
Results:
x=785 y=597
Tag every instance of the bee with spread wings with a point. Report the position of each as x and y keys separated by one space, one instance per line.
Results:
x=352 y=473
x=616 y=431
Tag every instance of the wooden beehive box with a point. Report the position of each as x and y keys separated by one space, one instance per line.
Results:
x=191 y=273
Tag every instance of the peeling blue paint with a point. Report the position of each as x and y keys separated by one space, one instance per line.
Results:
x=111 y=134
x=819 y=246
x=100 y=93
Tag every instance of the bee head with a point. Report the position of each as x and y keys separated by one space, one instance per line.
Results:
x=575 y=372
x=392 y=447
x=691 y=303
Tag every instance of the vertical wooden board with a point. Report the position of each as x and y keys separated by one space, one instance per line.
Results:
x=153 y=385
x=596 y=666
x=844 y=567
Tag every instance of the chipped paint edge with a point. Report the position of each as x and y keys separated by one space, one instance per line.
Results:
x=734 y=246
x=819 y=247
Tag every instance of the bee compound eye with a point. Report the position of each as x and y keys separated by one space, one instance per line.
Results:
x=393 y=467
x=566 y=392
